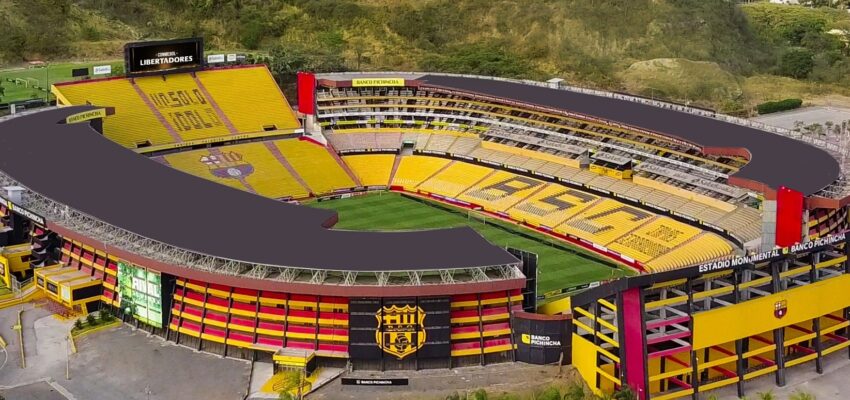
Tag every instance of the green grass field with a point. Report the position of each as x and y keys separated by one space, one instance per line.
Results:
x=43 y=77
x=560 y=264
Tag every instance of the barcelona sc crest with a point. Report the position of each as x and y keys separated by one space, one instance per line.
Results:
x=227 y=165
x=780 y=308
x=401 y=330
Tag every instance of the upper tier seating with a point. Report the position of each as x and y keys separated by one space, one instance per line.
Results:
x=133 y=123
x=250 y=97
x=184 y=106
x=159 y=110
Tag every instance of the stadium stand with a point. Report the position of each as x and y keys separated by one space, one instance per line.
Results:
x=184 y=106
x=454 y=179
x=501 y=190
x=551 y=206
x=413 y=170
x=161 y=110
x=371 y=169
x=605 y=221
x=321 y=172
x=133 y=125
x=249 y=166
x=251 y=97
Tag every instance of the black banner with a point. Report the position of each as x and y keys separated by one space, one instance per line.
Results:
x=163 y=56
x=529 y=269
x=399 y=328
x=77 y=72
x=375 y=381
x=541 y=341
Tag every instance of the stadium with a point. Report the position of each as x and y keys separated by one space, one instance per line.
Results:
x=194 y=202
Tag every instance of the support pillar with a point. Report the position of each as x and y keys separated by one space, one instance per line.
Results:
x=633 y=342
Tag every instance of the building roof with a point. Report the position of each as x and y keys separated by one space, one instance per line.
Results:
x=72 y=164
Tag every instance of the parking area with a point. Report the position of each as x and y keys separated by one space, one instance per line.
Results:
x=122 y=363
x=807 y=115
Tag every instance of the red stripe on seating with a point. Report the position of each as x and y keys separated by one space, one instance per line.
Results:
x=333 y=347
x=300 y=345
x=270 y=341
x=272 y=310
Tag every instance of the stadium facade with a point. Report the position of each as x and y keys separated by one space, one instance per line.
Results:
x=713 y=213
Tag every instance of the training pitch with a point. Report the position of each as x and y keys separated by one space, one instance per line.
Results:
x=560 y=264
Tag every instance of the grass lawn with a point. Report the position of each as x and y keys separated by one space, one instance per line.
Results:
x=58 y=72
x=560 y=264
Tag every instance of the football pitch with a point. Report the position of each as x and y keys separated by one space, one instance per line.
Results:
x=560 y=264
x=19 y=83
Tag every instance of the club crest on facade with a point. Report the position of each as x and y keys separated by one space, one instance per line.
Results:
x=401 y=330
x=780 y=308
x=227 y=165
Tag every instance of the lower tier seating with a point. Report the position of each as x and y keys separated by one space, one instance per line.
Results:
x=371 y=169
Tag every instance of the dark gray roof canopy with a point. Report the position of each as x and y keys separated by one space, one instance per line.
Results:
x=74 y=165
x=775 y=160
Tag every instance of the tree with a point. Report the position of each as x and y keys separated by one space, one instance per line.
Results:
x=105 y=316
x=285 y=62
x=796 y=63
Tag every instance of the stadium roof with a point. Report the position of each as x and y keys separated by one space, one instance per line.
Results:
x=72 y=164
x=774 y=160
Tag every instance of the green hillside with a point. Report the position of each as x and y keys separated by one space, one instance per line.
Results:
x=710 y=52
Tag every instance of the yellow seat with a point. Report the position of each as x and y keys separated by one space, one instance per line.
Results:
x=250 y=97
x=371 y=169
x=250 y=166
x=322 y=173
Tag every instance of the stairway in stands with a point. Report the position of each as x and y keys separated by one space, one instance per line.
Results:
x=221 y=115
x=342 y=164
x=174 y=135
x=396 y=162
x=280 y=158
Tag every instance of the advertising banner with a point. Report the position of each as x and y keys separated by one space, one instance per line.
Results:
x=541 y=339
x=140 y=293
x=370 y=82
x=163 y=56
x=102 y=70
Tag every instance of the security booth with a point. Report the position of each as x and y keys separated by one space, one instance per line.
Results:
x=70 y=287
x=295 y=359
